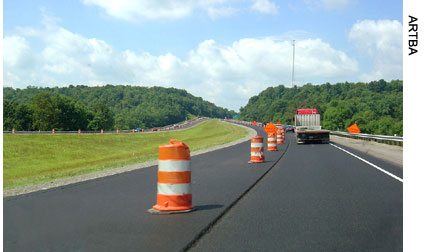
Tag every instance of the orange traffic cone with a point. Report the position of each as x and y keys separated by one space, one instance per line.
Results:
x=174 y=179
x=256 y=150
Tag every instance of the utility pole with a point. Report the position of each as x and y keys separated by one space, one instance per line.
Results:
x=292 y=76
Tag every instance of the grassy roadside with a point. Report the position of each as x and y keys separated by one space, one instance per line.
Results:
x=34 y=159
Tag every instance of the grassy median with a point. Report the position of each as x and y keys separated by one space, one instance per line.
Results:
x=34 y=159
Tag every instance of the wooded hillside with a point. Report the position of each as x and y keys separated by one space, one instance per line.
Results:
x=376 y=107
x=106 y=107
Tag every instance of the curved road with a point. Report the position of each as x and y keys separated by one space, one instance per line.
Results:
x=304 y=198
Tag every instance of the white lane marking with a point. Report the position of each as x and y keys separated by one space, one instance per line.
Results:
x=365 y=161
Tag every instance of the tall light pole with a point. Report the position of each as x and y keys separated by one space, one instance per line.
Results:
x=292 y=76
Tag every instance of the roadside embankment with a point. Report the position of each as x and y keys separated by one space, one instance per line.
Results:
x=389 y=153
x=201 y=144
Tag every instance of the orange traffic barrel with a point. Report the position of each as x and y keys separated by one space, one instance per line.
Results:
x=272 y=142
x=280 y=139
x=256 y=150
x=174 y=179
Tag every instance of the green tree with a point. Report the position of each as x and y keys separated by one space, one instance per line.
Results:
x=59 y=112
x=9 y=115
x=336 y=116
x=103 y=118
x=45 y=113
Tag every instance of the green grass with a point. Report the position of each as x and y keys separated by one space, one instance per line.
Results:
x=34 y=159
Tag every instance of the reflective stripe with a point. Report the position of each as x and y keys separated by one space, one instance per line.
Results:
x=173 y=189
x=170 y=166
x=272 y=139
x=174 y=177
x=254 y=145
x=256 y=154
x=272 y=144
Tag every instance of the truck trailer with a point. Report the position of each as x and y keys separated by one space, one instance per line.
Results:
x=308 y=127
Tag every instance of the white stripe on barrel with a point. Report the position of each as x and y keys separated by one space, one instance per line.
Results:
x=173 y=189
x=173 y=166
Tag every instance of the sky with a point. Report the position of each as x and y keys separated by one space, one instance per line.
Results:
x=224 y=51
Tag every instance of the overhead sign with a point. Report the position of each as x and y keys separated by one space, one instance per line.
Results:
x=270 y=128
x=353 y=129
x=236 y=117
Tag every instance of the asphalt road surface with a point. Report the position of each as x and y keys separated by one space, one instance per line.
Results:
x=317 y=198
x=304 y=198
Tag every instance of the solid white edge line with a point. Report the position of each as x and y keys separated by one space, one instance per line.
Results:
x=365 y=161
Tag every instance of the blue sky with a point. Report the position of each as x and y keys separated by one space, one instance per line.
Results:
x=224 y=51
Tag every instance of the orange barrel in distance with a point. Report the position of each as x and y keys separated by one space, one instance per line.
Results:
x=256 y=150
x=280 y=139
x=174 y=178
x=272 y=142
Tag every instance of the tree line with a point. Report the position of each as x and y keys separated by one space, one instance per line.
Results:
x=106 y=107
x=376 y=107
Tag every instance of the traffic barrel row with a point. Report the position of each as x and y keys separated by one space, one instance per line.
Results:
x=174 y=194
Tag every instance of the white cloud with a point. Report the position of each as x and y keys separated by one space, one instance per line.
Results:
x=227 y=75
x=329 y=4
x=381 y=42
x=264 y=6
x=135 y=10
x=221 y=12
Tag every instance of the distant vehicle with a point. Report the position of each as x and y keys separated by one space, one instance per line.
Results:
x=138 y=130
x=289 y=128
x=308 y=127
x=154 y=129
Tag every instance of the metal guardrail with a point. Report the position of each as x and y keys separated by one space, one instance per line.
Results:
x=176 y=126
x=392 y=140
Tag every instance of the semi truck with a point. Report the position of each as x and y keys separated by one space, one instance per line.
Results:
x=308 y=127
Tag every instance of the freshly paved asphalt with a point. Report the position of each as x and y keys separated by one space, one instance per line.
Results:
x=314 y=198
x=317 y=198
x=109 y=214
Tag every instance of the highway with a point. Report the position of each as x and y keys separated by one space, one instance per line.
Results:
x=304 y=198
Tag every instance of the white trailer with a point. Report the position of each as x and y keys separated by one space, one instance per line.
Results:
x=308 y=129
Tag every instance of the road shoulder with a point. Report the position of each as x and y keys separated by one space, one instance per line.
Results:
x=388 y=153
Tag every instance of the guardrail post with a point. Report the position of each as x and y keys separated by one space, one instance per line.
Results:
x=102 y=131
x=13 y=131
x=79 y=131
x=53 y=131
